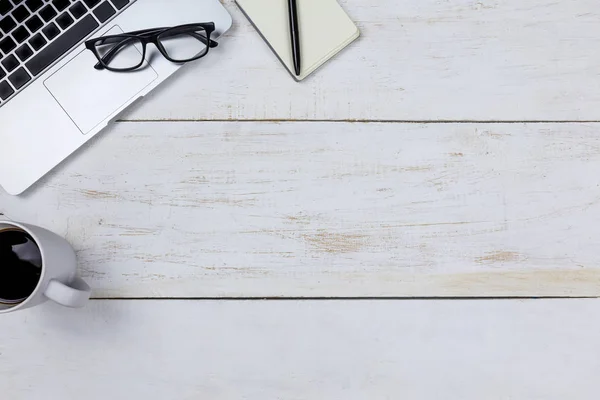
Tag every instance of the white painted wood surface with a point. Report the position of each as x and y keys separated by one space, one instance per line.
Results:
x=330 y=209
x=189 y=350
x=416 y=60
x=242 y=209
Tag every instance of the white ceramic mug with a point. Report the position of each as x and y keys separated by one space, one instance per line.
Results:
x=58 y=281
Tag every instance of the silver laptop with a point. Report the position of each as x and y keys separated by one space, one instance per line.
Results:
x=52 y=99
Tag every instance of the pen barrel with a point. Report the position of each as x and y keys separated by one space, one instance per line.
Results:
x=295 y=34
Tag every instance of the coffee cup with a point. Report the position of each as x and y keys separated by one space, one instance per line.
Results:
x=37 y=265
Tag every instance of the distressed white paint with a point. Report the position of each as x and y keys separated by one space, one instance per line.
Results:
x=338 y=209
x=156 y=350
x=330 y=209
x=416 y=60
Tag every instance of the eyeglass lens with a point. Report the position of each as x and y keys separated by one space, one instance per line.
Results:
x=184 y=45
x=120 y=52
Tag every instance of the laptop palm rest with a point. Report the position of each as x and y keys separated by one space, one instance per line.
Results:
x=90 y=96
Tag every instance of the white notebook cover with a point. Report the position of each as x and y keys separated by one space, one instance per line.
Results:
x=325 y=29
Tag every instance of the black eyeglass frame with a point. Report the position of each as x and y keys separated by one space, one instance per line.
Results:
x=147 y=36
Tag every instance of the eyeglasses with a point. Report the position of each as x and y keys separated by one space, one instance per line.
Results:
x=127 y=51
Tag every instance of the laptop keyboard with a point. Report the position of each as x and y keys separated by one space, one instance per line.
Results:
x=36 y=33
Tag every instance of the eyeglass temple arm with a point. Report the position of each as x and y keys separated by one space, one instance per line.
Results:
x=113 y=52
x=147 y=31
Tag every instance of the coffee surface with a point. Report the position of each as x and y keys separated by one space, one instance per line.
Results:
x=20 y=265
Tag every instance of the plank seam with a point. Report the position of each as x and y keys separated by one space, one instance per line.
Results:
x=362 y=121
x=345 y=298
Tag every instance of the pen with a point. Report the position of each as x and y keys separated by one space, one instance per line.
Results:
x=295 y=35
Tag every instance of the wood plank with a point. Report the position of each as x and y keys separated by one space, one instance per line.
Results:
x=416 y=60
x=329 y=209
x=303 y=350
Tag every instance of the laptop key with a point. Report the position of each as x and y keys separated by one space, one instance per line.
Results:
x=20 y=34
x=61 y=45
x=24 y=52
x=78 y=10
x=19 y=78
x=10 y=63
x=61 y=4
x=5 y=90
x=2 y=73
x=91 y=3
x=104 y=11
x=51 y=31
x=7 y=24
x=34 y=23
x=37 y=42
x=48 y=13
x=34 y=5
x=21 y=13
x=7 y=44
x=64 y=21
x=5 y=7
x=119 y=4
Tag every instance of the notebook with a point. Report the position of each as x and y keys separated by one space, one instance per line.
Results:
x=325 y=29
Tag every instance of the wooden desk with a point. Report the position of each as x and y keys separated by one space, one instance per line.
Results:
x=451 y=152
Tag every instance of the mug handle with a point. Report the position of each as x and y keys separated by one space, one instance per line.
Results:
x=74 y=296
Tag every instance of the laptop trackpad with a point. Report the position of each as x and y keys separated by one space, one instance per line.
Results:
x=90 y=96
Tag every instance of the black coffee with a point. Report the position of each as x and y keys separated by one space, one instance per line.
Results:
x=20 y=265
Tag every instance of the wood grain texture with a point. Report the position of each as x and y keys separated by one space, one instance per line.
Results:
x=156 y=350
x=329 y=209
x=416 y=60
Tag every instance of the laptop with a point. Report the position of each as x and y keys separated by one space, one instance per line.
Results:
x=52 y=100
